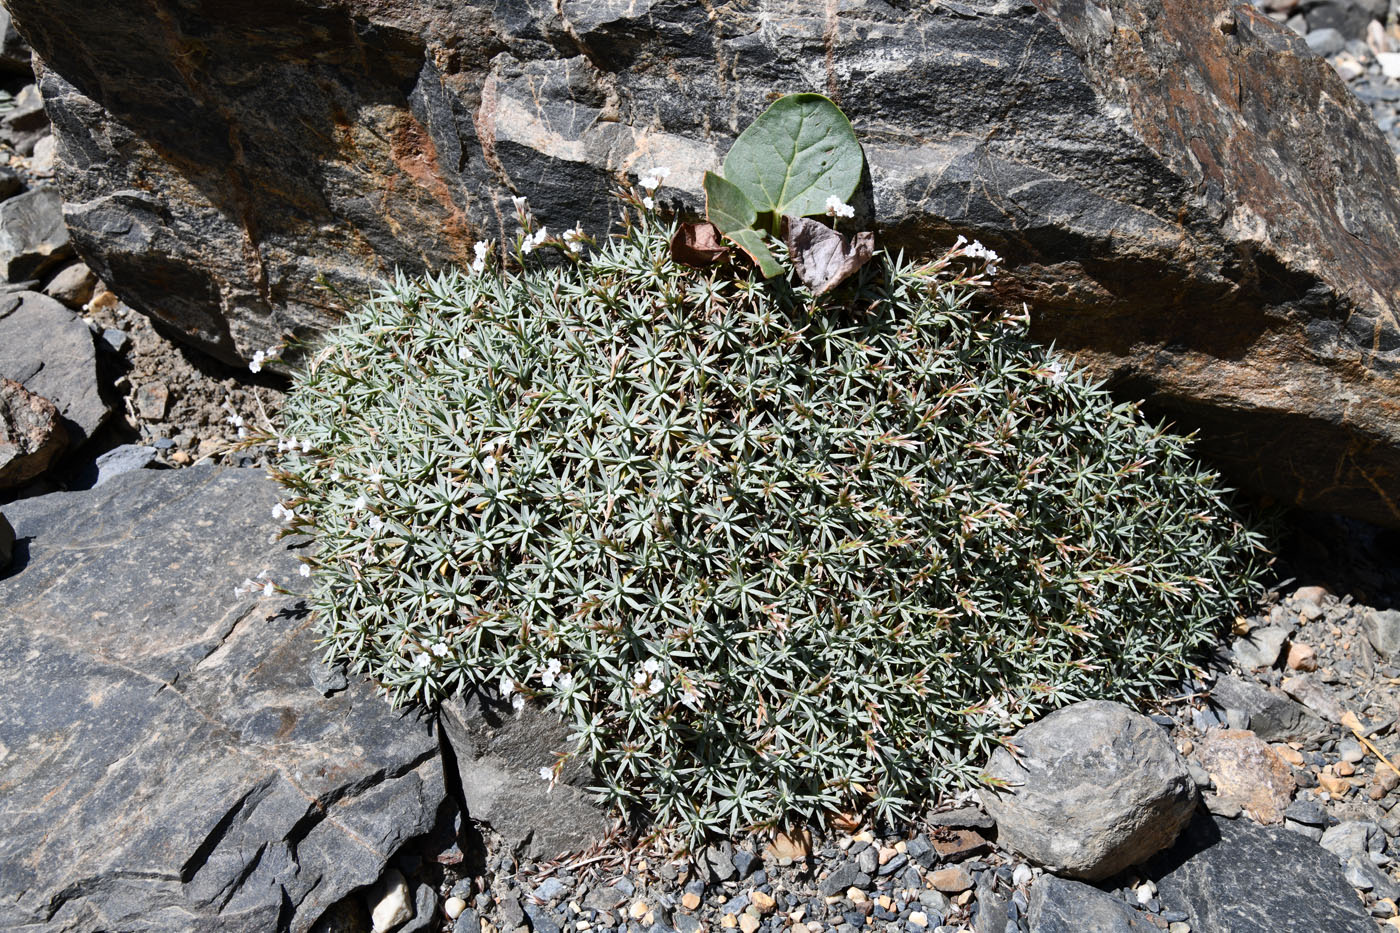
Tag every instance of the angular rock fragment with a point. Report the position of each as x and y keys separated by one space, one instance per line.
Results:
x=1093 y=789
x=31 y=434
x=33 y=236
x=1247 y=773
x=503 y=750
x=1271 y=716
x=1058 y=905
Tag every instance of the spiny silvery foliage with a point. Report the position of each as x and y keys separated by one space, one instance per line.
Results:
x=770 y=556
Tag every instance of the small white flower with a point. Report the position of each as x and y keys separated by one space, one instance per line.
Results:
x=235 y=419
x=520 y=204
x=652 y=180
x=481 y=249
x=507 y=685
x=421 y=661
x=256 y=364
x=375 y=477
x=651 y=666
x=489 y=463
x=1057 y=371
x=463 y=352
x=306 y=446
x=575 y=246
x=267 y=588
x=242 y=433
x=835 y=207
x=305 y=570
x=360 y=504
x=566 y=681
x=280 y=511
x=640 y=677
x=547 y=774
x=654 y=688
x=648 y=203
x=440 y=649
x=376 y=524
x=517 y=702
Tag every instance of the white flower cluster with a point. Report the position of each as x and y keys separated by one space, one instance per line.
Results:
x=482 y=249
x=534 y=240
x=650 y=182
x=646 y=677
x=262 y=356
x=261 y=585
x=282 y=513
x=574 y=238
x=509 y=688
x=235 y=419
x=976 y=250
x=1055 y=371
x=292 y=445
x=653 y=179
x=835 y=207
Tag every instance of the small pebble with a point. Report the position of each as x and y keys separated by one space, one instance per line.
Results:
x=453 y=907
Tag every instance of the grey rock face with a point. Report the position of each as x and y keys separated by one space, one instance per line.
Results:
x=1382 y=629
x=1095 y=788
x=7 y=543
x=1271 y=716
x=1186 y=196
x=33 y=236
x=166 y=763
x=1059 y=905
x=499 y=753
x=48 y=349
x=1234 y=876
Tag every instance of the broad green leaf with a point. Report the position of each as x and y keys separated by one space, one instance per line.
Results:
x=799 y=152
x=726 y=205
x=728 y=208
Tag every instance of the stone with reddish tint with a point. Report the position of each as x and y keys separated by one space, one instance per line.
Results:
x=31 y=434
x=1247 y=773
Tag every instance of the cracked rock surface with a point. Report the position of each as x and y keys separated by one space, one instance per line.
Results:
x=165 y=761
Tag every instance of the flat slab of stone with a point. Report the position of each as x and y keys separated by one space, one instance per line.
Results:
x=1234 y=876
x=165 y=762
x=49 y=350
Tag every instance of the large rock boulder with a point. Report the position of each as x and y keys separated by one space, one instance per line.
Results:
x=1189 y=200
x=1090 y=790
x=165 y=761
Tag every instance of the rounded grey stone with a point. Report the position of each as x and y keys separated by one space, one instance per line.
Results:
x=1093 y=789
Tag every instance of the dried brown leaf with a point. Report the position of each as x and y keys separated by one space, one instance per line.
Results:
x=698 y=244
x=823 y=257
